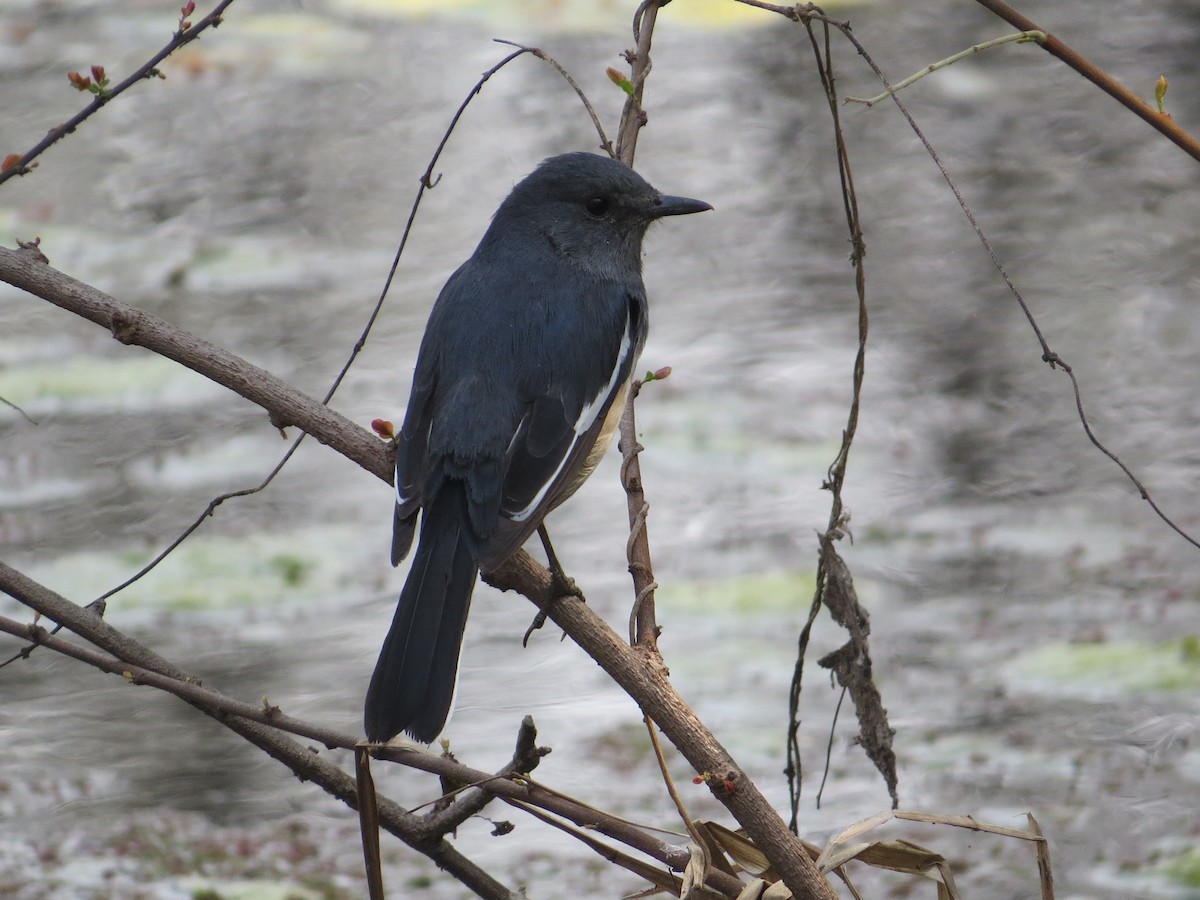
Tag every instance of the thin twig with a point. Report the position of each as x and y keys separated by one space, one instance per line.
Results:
x=605 y=143
x=1097 y=76
x=1049 y=357
x=829 y=746
x=836 y=475
x=148 y=69
x=28 y=418
x=426 y=183
x=368 y=823
x=633 y=116
x=684 y=815
x=1022 y=37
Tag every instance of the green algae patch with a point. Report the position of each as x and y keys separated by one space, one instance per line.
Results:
x=1116 y=667
x=216 y=573
x=132 y=381
x=767 y=592
x=1185 y=870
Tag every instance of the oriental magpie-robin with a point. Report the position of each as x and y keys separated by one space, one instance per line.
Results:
x=518 y=388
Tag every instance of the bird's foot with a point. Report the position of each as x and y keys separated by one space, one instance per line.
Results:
x=561 y=585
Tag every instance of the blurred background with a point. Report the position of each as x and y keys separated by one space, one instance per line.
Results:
x=1036 y=631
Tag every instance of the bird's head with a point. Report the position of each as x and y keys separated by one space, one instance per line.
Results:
x=592 y=209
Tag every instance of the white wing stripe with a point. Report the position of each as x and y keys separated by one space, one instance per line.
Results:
x=587 y=417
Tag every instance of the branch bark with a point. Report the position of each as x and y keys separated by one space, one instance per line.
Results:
x=284 y=404
x=641 y=673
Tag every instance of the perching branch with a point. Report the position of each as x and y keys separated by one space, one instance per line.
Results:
x=641 y=674
x=139 y=665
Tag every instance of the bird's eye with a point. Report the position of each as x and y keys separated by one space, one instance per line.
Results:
x=597 y=206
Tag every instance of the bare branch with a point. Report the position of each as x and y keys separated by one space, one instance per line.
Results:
x=262 y=724
x=605 y=143
x=1097 y=76
x=129 y=325
x=643 y=676
x=146 y=70
x=1021 y=37
x=259 y=725
x=1049 y=357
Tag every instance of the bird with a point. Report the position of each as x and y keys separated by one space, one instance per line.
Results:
x=518 y=387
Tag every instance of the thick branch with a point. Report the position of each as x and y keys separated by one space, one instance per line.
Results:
x=144 y=665
x=260 y=725
x=643 y=676
x=129 y=325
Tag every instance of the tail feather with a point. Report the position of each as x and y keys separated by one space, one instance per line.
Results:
x=412 y=688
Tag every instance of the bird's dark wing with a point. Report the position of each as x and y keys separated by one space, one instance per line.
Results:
x=412 y=458
x=410 y=474
x=546 y=458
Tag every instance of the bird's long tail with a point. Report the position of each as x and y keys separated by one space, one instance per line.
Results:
x=413 y=685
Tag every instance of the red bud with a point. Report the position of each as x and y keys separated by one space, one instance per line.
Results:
x=188 y=8
x=98 y=73
x=383 y=428
x=9 y=161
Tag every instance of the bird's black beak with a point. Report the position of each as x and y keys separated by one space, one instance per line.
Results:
x=677 y=206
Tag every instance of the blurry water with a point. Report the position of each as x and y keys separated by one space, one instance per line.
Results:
x=1027 y=608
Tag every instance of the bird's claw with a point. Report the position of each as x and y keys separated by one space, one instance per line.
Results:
x=561 y=585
